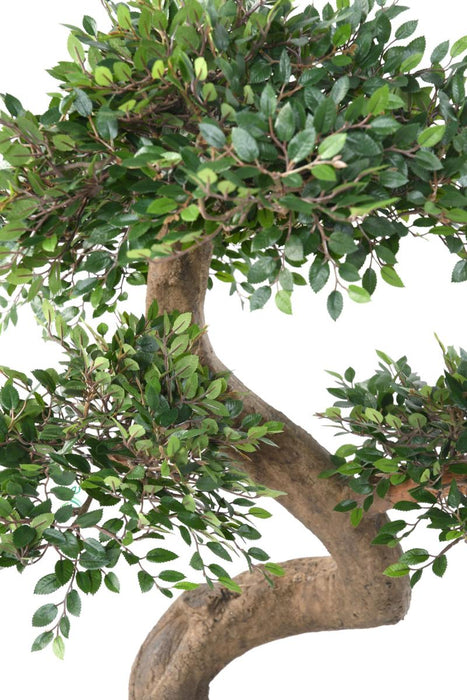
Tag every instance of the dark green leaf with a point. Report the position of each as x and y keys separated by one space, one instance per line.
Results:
x=159 y=555
x=318 y=275
x=23 y=536
x=42 y=641
x=107 y=123
x=325 y=116
x=440 y=565
x=335 y=304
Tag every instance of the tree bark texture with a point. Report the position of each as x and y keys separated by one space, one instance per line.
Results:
x=205 y=629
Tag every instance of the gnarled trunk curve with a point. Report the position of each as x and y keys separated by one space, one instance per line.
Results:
x=206 y=629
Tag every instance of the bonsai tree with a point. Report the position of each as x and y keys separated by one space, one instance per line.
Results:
x=267 y=148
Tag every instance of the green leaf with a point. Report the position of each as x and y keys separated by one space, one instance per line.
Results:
x=285 y=68
x=112 y=582
x=171 y=576
x=396 y=570
x=325 y=115
x=331 y=146
x=406 y=29
x=145 y=580
x=283 y=301
x=107 y=123
x=82 y=103
x=301 y=145
x=201 y=68
x=258 y=553
x=23 y=536
x=414 y=556
x=440 y=564
x=268 y=101
x=459 y=273
x=244 y=144
x=284 y=126
x=103 y=76
x=390 y=276
x=293 y=249
x=459 y=47
x=369 y=280
x=58 y=647
x=340 y=89
x=89 y=519
x=159 y=555
x=361 y=296
x=9 y=397
x=324 y=172
x=259 y=298
x=161 y=206
x=439 y=52
x=342 y=243
x=411 y=62
x=342 y=34
x=48 y=584
x=335 y=304
x=212 y=134
x=431 y=136
x=261 y=270
x=274 y=569
x=44 y=615
x=318 y=275
x=42 y=641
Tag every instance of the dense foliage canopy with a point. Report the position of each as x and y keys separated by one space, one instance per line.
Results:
x=305 y=146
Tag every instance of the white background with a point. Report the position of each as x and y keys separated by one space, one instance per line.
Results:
x=283 y=359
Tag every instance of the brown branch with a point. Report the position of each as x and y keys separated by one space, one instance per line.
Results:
x=205 y=629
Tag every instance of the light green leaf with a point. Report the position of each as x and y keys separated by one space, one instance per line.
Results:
x=324 y=172
x=58 y=647
x=396 y=570
x=201 y=68
x=331 y=146
x=361 y=296
x=459 y=47
x=431 y=136
x=283 y=301
x=390 y=276
x=103 y=76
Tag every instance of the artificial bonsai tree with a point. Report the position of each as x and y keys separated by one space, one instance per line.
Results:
x=268 y=148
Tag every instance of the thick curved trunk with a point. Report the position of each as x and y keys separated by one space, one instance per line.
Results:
x=206 y=629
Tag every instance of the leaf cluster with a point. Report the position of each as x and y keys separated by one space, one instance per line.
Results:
x=409 y=447
x=306 y=145
x=133 y=441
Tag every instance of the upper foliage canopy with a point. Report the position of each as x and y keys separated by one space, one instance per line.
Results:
x=285 y=136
